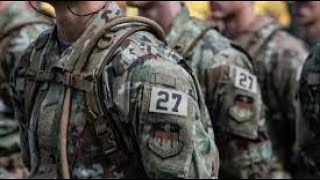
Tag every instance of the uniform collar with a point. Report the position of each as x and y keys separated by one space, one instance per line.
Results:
x=182 y=18
x=71 y=54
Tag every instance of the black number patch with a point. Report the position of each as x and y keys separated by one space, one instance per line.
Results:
x=245 y=80
x=168 y=102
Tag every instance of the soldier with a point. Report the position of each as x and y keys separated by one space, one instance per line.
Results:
x=308 y=21
x=308 y=127
x=18 y=28
x=99 y=96
x=278 y=58
x=230 y=88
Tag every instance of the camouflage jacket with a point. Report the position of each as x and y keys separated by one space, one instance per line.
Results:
x=232 y=95
x=16 y=33
x=278 y=58
x=308 y=127
x=19 y=27
x=159 y=125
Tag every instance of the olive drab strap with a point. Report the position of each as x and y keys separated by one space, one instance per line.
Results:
x=183 y=51
x=197 y=39
x=266 y=41
x=239 y=48
x=32 y=86
x=154 y=27
x=261 y=40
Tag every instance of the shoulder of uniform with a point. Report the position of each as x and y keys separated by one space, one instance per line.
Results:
x=37 y=44
x=162 y=72
x=42 y=38
x=211 y=38
x=140 y=48
x=144 y=56
x=288 y=43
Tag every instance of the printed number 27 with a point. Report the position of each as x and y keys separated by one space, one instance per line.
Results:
x=162 y=103
x=244 y=81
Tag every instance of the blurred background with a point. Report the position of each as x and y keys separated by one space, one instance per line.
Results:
x=282 y=11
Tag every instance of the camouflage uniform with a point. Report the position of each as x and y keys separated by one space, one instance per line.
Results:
x=308 y=127
x=155 y=123
x=278 y=59
x=232 y=96
x=18 y=29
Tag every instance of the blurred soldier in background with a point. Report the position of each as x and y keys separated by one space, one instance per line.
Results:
x=18 y=28
x=308 y=133
x=308 y=129
x=278 y=58
x=308 y=21
x=230 y=88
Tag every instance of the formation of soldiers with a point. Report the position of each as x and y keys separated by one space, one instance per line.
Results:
x=92 y=93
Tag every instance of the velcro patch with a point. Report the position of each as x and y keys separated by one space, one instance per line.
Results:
x=245 y=80
x=167 y=101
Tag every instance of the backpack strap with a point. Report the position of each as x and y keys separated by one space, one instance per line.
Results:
x=36 y=62
x=184 y=50
x=196 y=40
x=260 y=40
x=265 y=42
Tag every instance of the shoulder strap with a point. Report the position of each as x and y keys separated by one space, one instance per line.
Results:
x=36 y=62
x=239 y=48
x=266 y=41
x=197 y=39
x=254 y=42
x=183 y=51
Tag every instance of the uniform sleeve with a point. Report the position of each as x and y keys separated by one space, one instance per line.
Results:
x=233 y=95
x=285 y=68
x=308 y=126
x=160 y=102
x=17 y=56
x=17 y=98
x=235 y=102
x=15 y=46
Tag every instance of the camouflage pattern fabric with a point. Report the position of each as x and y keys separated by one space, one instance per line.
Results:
x=13 y=42
x=278 y=58
x=308 y=127
x=164 y=130
x=232 y=95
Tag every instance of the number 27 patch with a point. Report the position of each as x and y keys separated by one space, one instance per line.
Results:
x=168 y=101
x=245 y=80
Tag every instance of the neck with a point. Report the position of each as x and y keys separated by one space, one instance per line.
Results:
x=70 y=26
x=4 y=5
x=163 y=12
x=240 y=23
